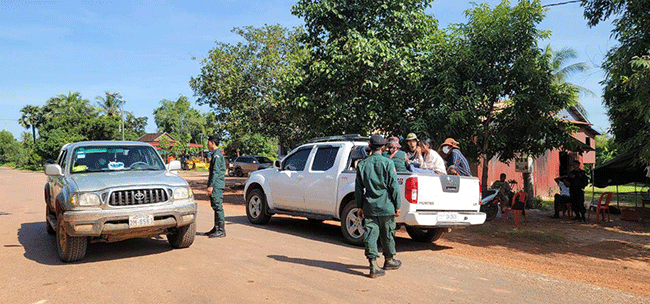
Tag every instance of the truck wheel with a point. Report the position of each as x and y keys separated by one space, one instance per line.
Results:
x=70 y=248
x=239 y=172
x=256 y=207
x=183 y=237
x=425 y=235
x=48 y=227
x=351 y=224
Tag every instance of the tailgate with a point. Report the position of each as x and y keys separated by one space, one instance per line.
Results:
x=447 y=193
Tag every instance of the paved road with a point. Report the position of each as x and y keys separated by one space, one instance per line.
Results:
x=287 y=261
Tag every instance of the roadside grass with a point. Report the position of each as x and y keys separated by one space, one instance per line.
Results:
x=624 y=195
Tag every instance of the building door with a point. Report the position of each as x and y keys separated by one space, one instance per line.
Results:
x=564 y=163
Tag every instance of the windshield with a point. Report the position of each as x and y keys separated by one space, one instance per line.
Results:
x=115 y=158
x=263 y=159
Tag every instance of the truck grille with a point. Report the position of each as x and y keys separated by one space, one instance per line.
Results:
x=138 y=197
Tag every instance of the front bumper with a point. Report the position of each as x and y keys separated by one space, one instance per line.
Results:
x=112 y=221
x=431 y=219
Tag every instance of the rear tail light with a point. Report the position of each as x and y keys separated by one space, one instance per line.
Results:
x=411 y=190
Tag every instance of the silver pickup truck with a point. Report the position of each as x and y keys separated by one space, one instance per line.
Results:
x=108 y=191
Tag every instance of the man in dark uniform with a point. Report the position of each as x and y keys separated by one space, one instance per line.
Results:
x=216 y=184
x=377 y=196
x=578 y=180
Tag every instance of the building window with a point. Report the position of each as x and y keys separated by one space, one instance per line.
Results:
x=588 y=141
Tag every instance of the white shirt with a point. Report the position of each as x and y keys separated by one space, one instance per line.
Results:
x=564 y=190
x=432 y=161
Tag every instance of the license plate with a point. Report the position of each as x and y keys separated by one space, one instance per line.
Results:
x=140 y=220
x=447 y=217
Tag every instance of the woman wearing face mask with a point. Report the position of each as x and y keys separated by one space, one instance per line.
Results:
x=456 y=161
x=429 y=159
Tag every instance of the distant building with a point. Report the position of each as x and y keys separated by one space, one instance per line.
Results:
x=552 y=163
x=154 y=140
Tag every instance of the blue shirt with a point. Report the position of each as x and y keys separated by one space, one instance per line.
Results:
x=456 y=158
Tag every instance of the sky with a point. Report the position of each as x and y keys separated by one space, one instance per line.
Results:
x=149 y=50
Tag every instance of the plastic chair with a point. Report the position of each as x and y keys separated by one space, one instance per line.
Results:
x=601 y=207
x=567 y=210
x=518 y=206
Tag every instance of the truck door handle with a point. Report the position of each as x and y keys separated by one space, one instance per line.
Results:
x=299 y=177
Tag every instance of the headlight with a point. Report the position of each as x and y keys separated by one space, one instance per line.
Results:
x=182 y=193
x=85 y=199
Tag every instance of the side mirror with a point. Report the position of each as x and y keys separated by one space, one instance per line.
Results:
x=276 y=164
x=174 y=165
x=53 y=170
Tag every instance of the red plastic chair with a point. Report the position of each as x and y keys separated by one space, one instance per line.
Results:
x=601 y=207
x=518 y=206
x=567 y=210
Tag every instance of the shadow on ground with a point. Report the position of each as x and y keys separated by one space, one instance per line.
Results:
x=543 y=235
x=41 y=247
x=334 y=266
x=326 y=232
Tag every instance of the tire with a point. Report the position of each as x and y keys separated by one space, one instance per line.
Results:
x=490 y=210
x=239 y=172
x=351 y=224
x=183 y=237
x=70 y=248
x=423 y=235
x=256 y=208
x=48 y=227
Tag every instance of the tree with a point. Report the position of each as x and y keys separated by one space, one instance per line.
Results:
x=363 y=69
x=9 y=147
x=246 y=83
x=606 y=149
x=498 y=96
x=627 y=70
x=32 y=117
x=111 y=105
x=562 y=70
x=180 y=120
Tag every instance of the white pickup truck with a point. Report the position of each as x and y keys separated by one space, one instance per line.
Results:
x=316 y=181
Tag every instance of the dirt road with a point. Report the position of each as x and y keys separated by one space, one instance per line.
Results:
x=287 y=261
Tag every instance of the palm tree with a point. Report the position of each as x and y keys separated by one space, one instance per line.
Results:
x=32 y=116
x=111 y=104
x=561 y=71
x=69 y=105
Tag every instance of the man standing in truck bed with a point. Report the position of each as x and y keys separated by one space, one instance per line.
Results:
x=377 y=196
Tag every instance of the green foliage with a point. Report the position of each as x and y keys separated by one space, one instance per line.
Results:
x=246 y=83
x=627 y=67
x=251 y=144
x=180 y=120
x=9 y=147
x=69 y=118
x=606 y=148
x=110 y=105
x=364 y=64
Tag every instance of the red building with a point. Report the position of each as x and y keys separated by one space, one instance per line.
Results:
x=554 y=162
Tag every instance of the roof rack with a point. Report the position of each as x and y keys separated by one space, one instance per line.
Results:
x=345 y=137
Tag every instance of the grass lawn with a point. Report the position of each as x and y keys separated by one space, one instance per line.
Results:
x=627 y=195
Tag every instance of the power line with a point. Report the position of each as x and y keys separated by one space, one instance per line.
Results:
x=561 y=3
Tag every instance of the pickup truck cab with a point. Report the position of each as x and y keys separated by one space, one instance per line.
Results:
x=316 y=181
x=108 y=191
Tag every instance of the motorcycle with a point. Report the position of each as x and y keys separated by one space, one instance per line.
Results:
x=491 y=203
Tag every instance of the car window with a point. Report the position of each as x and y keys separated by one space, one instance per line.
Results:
x=63 y=160
x=238 y=159
x=115 y=158
x=324 y=159
x=296 y=161
x=262 y=159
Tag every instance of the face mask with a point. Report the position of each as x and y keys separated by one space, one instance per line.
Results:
x=446 y=149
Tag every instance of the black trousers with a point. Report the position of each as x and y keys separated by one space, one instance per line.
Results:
x=560 y=201
x=578 y=201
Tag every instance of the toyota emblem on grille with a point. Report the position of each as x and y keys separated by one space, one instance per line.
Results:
x=139 y=196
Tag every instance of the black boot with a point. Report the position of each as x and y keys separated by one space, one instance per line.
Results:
x=375 y=271
x=391 y=264
x=220 y=232
x=211 y=230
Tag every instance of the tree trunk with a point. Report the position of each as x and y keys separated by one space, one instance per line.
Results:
x=484 y=173
x=34 y=136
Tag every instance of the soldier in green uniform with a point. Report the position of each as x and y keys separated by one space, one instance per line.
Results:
x=377 y=196
x=216 y=184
